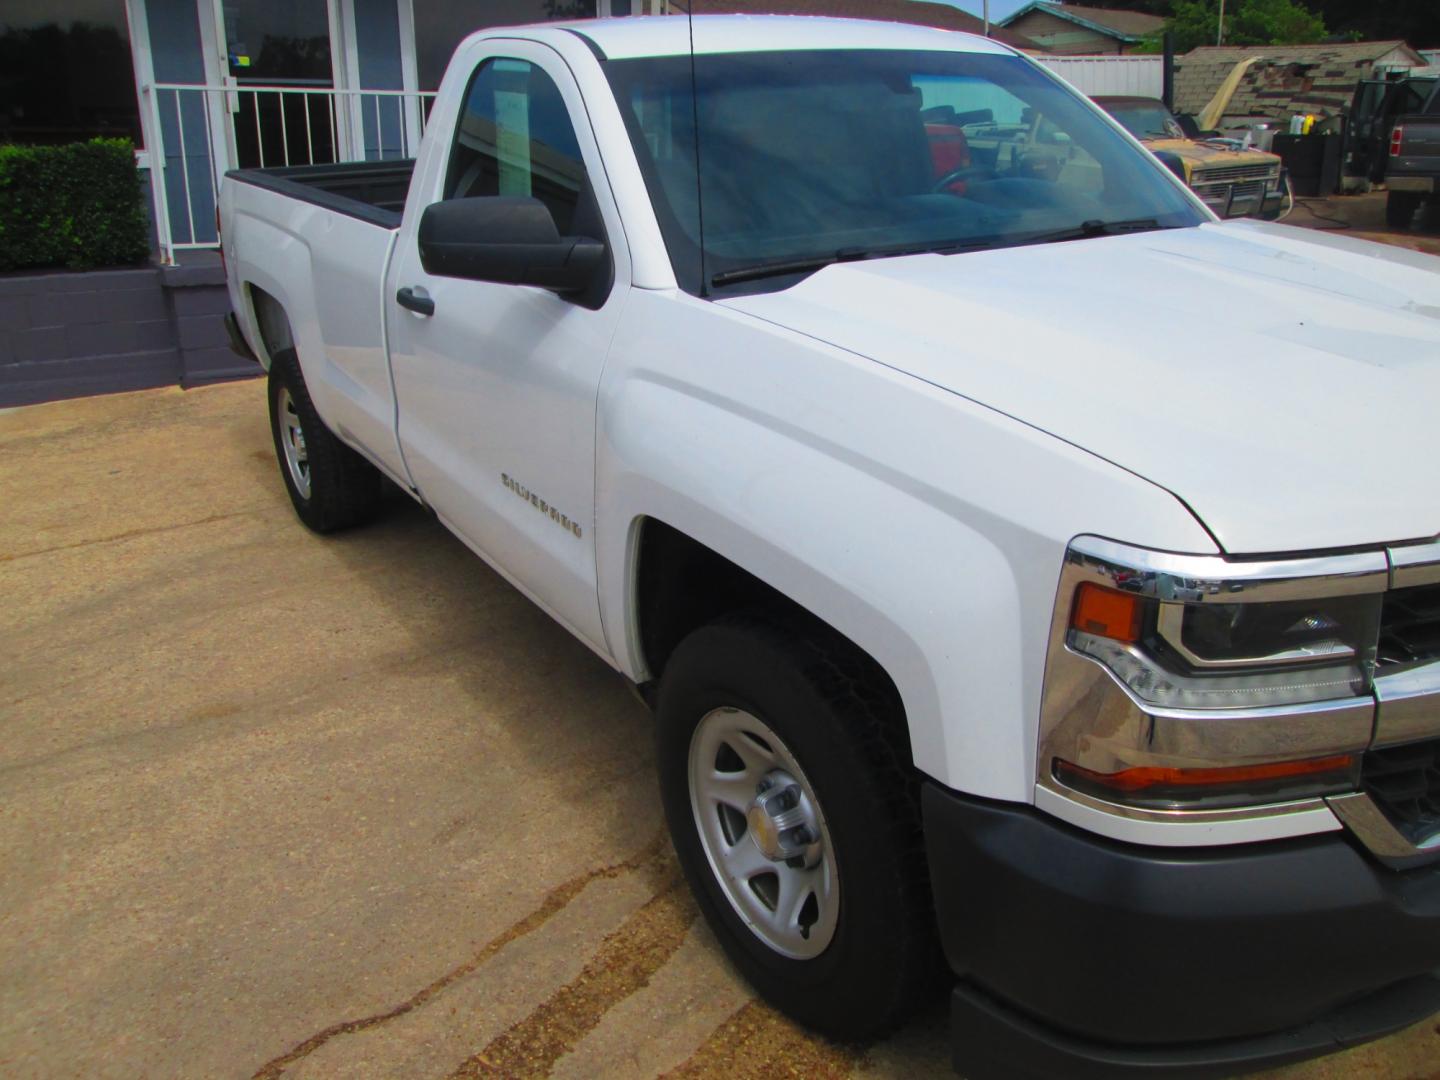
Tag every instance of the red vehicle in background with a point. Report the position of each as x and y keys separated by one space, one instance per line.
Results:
x=950 y=152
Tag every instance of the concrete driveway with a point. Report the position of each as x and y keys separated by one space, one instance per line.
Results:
x=277 y=805
x=1362 y=217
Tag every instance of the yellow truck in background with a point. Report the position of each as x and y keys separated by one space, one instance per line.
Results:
x=1232 y=181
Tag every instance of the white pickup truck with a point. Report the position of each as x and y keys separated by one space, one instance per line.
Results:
x=1031 y=575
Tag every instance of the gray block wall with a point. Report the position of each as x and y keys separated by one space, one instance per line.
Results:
x=69 y=335
x=198 y=304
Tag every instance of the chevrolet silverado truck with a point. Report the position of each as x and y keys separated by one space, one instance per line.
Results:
x=1232 y=181
x=1002 y=642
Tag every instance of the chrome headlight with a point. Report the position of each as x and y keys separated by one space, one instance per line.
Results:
x=1199 y=682
x=1207 y=653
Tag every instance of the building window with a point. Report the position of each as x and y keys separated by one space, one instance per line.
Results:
x=440 y=25
x=65 y=72
x=278 y=42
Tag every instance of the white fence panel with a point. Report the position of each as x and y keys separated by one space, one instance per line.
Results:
x=1138 y=76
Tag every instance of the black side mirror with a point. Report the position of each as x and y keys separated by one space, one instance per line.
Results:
x=507 y=239
x=1173 y=162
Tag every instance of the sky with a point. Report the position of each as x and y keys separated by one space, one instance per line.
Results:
x=998 y=8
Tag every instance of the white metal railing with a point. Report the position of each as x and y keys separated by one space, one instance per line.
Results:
x=196 y=133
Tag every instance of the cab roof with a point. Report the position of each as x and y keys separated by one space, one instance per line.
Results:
x=670 y=35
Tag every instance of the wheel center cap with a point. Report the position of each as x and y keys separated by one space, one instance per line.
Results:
x=779 y=819
x=763 y=832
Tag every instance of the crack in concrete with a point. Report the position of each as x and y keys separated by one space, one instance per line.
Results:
x=554 y=902
x=133 y=533
x=625 y=962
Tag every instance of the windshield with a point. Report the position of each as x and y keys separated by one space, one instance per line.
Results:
x=821 y=156
x=1144 y=119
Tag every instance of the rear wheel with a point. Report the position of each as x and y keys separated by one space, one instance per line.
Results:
x=794 y=815
x=1400 y=207
x=330 y=485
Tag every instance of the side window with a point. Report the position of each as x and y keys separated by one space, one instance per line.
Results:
x=515 y=138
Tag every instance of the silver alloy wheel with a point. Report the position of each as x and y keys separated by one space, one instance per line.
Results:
x=292 y=438
x=764 y=833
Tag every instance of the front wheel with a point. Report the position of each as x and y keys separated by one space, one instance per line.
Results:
x=789 y=798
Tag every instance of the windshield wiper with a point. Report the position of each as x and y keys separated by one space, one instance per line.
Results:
x=812 y=263
x=1088 y=229
x=783 y=266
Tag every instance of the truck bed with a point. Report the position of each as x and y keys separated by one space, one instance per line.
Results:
x=373 y=191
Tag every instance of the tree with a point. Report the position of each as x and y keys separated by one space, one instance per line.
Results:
x=1247 y=22
x=1415 y=21
x=1150 y=7
x=1274 y=22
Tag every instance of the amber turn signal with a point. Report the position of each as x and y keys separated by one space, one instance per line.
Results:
x=1107 y=613
x=1239 y=785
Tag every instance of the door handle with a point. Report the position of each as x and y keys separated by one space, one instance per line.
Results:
x=415 y=299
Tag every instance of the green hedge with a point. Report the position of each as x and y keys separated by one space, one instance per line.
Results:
x=76 y=206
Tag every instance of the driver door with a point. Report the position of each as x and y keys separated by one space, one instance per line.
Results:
x=497 y=384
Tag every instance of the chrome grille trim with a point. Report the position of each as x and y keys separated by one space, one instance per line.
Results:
x=1409 y=628
x=1414 y=564
x=1365 y=821
x=1229 y=173
x=1410 y=624
x=1407 y=706
x=1396 y=814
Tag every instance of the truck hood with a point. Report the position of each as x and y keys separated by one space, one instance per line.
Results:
x=1199 y=155
x=1283 y=383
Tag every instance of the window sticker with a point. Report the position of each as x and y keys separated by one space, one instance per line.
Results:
x=512 y=126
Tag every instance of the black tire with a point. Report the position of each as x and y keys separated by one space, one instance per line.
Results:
x=840 y=721
x=1400 y=207
x=344 y=488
